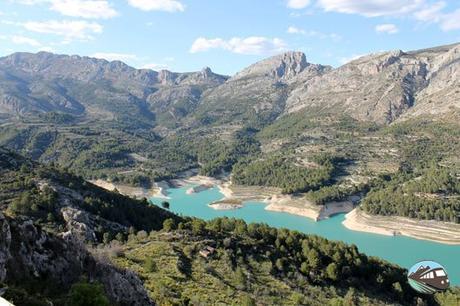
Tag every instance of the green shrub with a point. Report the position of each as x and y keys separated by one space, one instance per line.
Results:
x=86 y=294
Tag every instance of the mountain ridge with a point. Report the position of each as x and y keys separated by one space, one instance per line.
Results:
x=379 y=87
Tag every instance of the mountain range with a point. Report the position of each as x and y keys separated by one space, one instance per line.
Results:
x=381 y=87
x=383 y=128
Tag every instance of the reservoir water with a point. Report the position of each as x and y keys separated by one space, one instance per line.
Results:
x=400 y=250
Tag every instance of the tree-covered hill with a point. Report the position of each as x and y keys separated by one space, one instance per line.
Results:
x=122 y=251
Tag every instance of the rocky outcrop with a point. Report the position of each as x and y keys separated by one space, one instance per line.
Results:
x=280 y=67
x=5 y=242
x=84 y=86
x=81 y=224
x=180 y=93
x=261 y=88
x=123 y=286
x=78 y=223
x=27 y=253
x=442 y=93
x=38 y=255
x=385 y=86
x=203 y=77
x=380 y=87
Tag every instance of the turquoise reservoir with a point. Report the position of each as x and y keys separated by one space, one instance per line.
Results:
x=400 y=250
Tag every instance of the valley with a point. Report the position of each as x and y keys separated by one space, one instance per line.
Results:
x=135 y=253
x=378 y=241
x=243 y=164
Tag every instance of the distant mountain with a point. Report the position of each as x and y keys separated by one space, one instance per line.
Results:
x=180 y=93
x=258 y=92
x=382 y=87
x=379 y=87
x=43 y=82
x=282 y=122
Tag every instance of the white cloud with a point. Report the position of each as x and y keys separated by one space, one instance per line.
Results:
x=434 y=14
x=295 y=30
x=154 y=66
x=203 y=44
x=421 y=10
x=388 y=28
x=22 y=40
x=47 y=49
x=115 y=56
x=371 y=8
x=312 y=33
x=298 y=4
x=158 y=5
x=77 y=8
x=69 y=29
x=251 y=45
x=84 y=8
x=431 y=13
x=348 y=59
x=30 y=2
x=451 y=21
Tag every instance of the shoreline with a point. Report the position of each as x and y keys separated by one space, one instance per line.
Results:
x=194 y=179
x=226 y=204
x=288 y=204
x=436 y=231
x=234 y=197
x=135 y=192
x=302 y=207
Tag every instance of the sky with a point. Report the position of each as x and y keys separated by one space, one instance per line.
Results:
x=187 y=35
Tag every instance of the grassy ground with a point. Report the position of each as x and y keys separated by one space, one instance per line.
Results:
x=180 y=275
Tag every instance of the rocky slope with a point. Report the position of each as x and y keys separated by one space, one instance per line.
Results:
x=49 y=220
x=29 y=254
x=258 y=92
x=378 y=87
x=382 y=87
x=45 y=82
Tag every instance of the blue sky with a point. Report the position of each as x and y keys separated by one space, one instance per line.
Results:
x=187 y=35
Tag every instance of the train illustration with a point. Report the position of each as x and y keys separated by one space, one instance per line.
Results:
x=430 y=280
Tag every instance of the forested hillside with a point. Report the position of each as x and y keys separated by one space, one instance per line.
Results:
x=103 y=236
x=265 y=126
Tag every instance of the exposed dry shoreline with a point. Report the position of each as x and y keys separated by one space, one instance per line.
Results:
x=135 y=192
x=302 y=207
x=195 y=179
x=291 y=205
x=441 y=232
x=226 y=204
x=357 y=220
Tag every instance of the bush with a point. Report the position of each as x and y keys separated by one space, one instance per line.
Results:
x=85 y=294
x=165 y=204
x=169 y=225
x=150 y=265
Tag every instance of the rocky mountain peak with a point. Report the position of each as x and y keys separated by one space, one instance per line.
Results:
x=279 y=67
x=165 y=77
x=206 y=70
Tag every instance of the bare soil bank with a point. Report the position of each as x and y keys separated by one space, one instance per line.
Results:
x=442 y=232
